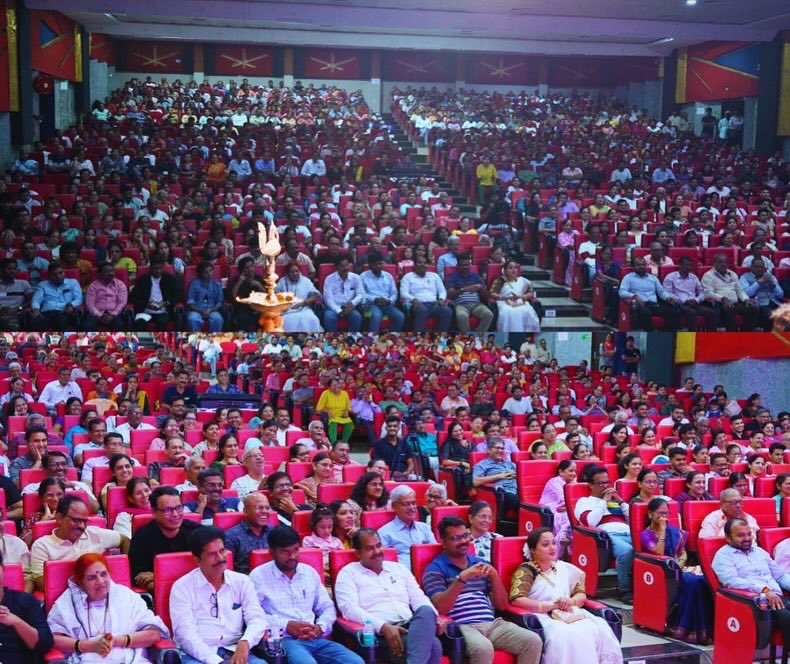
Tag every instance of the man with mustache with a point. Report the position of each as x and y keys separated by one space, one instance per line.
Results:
x=215 y=612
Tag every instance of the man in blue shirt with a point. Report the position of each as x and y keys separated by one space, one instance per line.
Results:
x=205 y=301
x=404 y=530
x=643 y=291
x=743 y=565
x=468 y=590
x=56 y=301
x=381 y=294
x=498 y=472
x=467 y=290
x=449 y=259
x=210 y=501
x=761 y=286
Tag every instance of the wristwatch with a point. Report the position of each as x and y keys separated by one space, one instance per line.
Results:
x=458 y=579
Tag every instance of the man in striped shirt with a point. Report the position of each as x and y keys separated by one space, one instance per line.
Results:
x=468 y=589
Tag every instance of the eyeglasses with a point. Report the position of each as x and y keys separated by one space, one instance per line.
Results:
x=280 y=487
x=214 y=605
x=733 y=502
x=169 y=511
x=457 y=539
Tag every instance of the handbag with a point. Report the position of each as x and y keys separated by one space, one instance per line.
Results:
x=572 y=616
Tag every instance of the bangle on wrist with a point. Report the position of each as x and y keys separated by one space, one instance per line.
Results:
x=77 y=647
x=128 y=642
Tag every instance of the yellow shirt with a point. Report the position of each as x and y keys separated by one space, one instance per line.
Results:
x=337 y=405
x=486 y=174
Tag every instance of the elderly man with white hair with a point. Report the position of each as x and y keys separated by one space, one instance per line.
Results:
x=620 y=417
x=317 y=439
x=731 y=507
x=253 y=461
x=404 y=530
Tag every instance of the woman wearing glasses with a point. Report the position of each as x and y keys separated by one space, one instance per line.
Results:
x=96 y=619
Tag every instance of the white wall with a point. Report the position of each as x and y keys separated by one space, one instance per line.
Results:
x=65 y=115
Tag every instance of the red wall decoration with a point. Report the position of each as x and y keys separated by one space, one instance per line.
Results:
x=102 y=48
x=333 y=63
x=157 y=57
x=712 y=71
x=53 y=45
x=419 y=66
x=241 y=61
x=500 y=70
x=712 y=347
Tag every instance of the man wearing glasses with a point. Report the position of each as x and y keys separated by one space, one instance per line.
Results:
x=606 y=510
x=496 y=471
x=731 y=503
x=215 y=612
x=71 y=538
x=468 y=590
x=167 y=533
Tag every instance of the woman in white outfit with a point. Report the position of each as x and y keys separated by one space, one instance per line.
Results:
x=513 y=294
x=300 y=318
x=554 y=591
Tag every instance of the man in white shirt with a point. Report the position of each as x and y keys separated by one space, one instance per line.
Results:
x=517 y=404
x=314 y=166
x=343 y=293
x=60 y=390
x=678 y=416
x=134 y=422
x=387 y=594
x=620 y=174
x=215 y=612
x=71 y=538
x=620 y=417
x=424 y=294
x=283 y=419
x=297 y=604
x=730 y=507
x=606 y=510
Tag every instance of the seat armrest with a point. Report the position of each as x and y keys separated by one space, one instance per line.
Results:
x=453 y=643
x=611 y=616
x=55 y=655
x=164 y=651
x=524 y=618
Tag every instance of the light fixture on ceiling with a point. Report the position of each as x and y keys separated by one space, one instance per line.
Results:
x=691 y=3
x=663 y=40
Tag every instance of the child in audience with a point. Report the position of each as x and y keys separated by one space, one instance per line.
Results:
x=322 y=522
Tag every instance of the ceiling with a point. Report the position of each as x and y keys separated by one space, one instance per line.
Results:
x=571 y=27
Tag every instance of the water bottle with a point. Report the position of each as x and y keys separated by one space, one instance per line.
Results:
x=762 y=602
x=368 y=635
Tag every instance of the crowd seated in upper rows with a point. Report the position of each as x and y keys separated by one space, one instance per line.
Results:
x=148 y=215
x=626 y=183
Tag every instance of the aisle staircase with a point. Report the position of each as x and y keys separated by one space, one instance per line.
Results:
x=561 y=313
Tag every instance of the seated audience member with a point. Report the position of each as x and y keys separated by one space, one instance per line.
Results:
x=155 y=295
x=316 y=438
x=340 y=454
x=13 y=499
x=387 y=595
x=469 y=590
x=343 y=295
x=138 y=494
x=782 y=484
x=696 y=482
x=724 y=290
x=606 y=510
x=56 y=301
x=686 y=288
x=210 y=501
x=643 y=292
x=404 y=530
x=369 y=495
x=550 y=587
x=678 y=467
x=252 y=533
x=467 y=291
x=37 y=442
x=177 y=457
x=297 y=604
x=71 y=538
x=281 y=494
x=381 y=295
x=50 y=491
x=393 y=450
x=128 y=629
x=731 y=507
x=424 y=296
x=112 y=444
x=24 y=633
x=782 y=554
x=496 y=471
x=97 y=430
x=322 y=473
x=205 y=301
x=481 y=529
x=212 y=607
x=168 y=532
x=14 y=549
x=254 y=462
x=742 y=565
x=435 y=496
x=105 y=301
x=764 y=289
x=228 y=447
x=553 y=497
x=692 y=620
x=322 y=525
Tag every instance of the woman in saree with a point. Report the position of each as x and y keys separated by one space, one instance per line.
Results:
x=553 y=497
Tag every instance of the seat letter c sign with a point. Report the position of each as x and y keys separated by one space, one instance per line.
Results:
x=583 y=560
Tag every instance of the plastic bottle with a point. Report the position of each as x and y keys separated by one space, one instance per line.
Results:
x=762 y=601
x=368 y=634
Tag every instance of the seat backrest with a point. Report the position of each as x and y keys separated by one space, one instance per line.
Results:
x=532 y=478
x=627 y=489
x=58 y=572
x=573 y=492
x=300 y=522
x=44 y=528
x=673 y=486
x=103 y=474
x=421 y=556
x=637 y=517
x=765 y=487
x=307 y=556
x=376 y=520
x=716 y=485
x=763 y=510
x=693 y=513
x=118 y=502
x=707 y=549
x=438 y=513
x=225 y=520
x=507 y=553
x=768 y=538
x=329 y=492
x=339 y=559
x=419 y=488
x=14 y=576
x=297 y=470
x=33 y=475
x=172 y=476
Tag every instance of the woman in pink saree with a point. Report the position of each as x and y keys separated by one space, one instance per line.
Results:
x=553 y=497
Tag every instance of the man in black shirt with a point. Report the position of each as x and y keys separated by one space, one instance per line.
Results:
x=12 y=509
x=393 y=450
x=180 y=389
x=24 y=633
x=167 y=533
